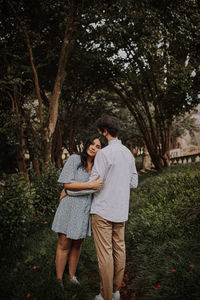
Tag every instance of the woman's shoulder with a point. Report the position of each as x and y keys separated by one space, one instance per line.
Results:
x=75 y=158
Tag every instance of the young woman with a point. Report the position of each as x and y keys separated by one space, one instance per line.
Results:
x=72 y=218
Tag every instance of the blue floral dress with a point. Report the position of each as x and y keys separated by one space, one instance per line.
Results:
x=73 y=213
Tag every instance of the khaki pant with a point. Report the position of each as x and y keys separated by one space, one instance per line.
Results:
x=111 y=254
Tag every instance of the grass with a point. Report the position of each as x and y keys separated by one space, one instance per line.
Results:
x=30 y=271
x=163 y=235
x=157 y=242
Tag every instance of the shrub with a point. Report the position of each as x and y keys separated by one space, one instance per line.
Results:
x=16 y=207
x=47 y=191
x=22 y=204
x=163 y=235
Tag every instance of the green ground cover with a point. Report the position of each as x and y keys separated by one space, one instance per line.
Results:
x=163 y=247
x=163 y=232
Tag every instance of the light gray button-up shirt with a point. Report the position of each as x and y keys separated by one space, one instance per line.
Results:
x=116 y=166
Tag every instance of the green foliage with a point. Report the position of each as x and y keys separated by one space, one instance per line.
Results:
x=152 y=71
x=16 y=207
x=23 y=204
x=162 y=241
x=32 y=270
x=47 y=191
x=185 y=124
x=163 y=235
x=130 y=46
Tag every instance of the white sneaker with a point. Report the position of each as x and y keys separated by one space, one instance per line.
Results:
x=98 y=297
x=116 y=295
x=74 y=280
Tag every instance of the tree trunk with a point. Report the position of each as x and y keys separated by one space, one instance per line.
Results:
x=146 y=159
x=20 y=151
x=157 y=142
x=71 y=140
x=32 y=147
x=167 y=145
x=156 y=160
x=35 y=73
x=160 y=153
x=58 y=144
x=47 y=130
x=36 y=166
x=21 y=156
x=68 y=44
x=21 y=162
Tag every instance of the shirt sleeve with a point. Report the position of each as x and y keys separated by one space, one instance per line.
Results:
x=68 y=172
x=134 y=175
x=100 y=167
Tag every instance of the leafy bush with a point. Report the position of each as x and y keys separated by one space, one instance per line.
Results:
x=47 y=191
x=16 y=207
x=22 y=204
x=163 y=235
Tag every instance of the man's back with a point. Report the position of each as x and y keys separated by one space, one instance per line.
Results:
x=116 y=166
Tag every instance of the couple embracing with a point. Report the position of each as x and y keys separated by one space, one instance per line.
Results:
x=97 y=182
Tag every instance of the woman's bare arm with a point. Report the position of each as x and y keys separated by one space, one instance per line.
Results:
x=62 y=194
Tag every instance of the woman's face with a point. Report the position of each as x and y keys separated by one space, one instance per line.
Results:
x=94 y=148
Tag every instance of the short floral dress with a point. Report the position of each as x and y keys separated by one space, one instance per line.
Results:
x=73 y=213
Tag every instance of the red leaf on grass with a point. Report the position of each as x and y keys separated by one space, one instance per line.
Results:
x=173 y=270
x=158 y=287
x=123 y=284
x=192 y=266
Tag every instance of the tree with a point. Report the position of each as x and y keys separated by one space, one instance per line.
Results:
x=124 y=52
x=68 y=41
x=82 y=102
x=186 y=125
x=156 y=68
x=28 y=29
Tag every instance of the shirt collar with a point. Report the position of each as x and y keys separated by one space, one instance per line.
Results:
x=115 y=141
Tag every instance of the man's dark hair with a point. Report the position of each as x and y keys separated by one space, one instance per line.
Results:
x=110 y=123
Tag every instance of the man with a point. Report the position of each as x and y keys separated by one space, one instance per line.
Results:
x=115 y=165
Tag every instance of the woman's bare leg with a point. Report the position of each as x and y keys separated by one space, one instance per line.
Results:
x=63 y=249
x=74 y=256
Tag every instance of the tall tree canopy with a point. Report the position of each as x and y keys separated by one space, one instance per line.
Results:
x=65 y=61
x=154 y=47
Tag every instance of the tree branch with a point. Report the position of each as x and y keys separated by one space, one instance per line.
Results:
x=36 y=80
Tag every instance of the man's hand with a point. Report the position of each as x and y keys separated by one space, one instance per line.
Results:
x=95 y=184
